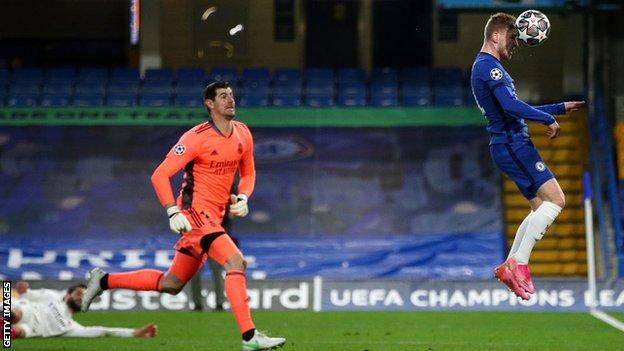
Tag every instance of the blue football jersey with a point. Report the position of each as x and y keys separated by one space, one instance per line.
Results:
x=495 y=94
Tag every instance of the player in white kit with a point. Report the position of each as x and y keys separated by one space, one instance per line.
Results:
x=48 y=313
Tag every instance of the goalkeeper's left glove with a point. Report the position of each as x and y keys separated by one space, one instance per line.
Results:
x=239 y=205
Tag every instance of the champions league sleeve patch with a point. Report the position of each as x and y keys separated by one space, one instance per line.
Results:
x=496 y=74
x=179 y=149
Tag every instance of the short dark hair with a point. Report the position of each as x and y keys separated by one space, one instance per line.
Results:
x=499 y=21
x=210 y=92
x=72 y=288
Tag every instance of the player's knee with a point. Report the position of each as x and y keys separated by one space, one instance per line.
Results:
x=560 y=201
x=236 y=262
x=171 y=289
x=171 y=285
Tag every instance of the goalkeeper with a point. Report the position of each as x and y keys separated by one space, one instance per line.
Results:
x=210 y=154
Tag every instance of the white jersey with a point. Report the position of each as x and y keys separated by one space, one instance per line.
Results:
x=45 y=314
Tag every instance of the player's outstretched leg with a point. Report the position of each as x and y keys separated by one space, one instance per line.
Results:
x=506 y=274
x=262 y=342
x=93 y=288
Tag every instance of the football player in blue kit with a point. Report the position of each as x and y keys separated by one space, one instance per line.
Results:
x=511 y=147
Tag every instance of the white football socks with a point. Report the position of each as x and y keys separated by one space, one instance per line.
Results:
x=519 y=235
x=540 y=220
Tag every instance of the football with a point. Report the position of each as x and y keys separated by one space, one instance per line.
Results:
x=533 y=27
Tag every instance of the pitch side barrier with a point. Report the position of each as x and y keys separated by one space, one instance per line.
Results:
x=257 y=117
x=318 y=294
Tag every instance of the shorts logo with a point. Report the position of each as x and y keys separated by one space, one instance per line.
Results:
x=496 y=74
x=540 y=166
x=179 y=149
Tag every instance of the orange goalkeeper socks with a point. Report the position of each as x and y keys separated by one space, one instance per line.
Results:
x=144 y=280
x=236 y=291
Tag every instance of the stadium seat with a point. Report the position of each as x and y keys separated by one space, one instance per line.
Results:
x=155 y=100
x=384 y=100
x=28 y=75
x=352 y=88
x=157 y=87
x=416 y=100
x=55 y=100
x=447 y=76
x=190 y=88
x=224 y=73
x=319 y=100
x=58 y=88
x=287 y=75
x=320 y=88
x=193 y=100
x=121 y=100
x=385 y=74
x=319 y=75
x=253 y=101
x=416 y=74
x=24 y=88
x=352 y=100
x=286 y=100
x=93 y=76
x=191 y=74
x=60 y=75
x=23 y=100
x=89 y=100
x=121 y=74
x=351 y=75
x=287 y=90
x=448 y=100
x=256 y=74
x=162 y=75
x=121 y=87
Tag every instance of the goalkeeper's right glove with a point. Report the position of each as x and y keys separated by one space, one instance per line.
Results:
x=177 y=221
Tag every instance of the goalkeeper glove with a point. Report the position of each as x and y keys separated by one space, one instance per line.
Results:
x=177 y=221
x=239 y=205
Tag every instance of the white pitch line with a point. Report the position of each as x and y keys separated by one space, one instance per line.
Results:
x=607 y=319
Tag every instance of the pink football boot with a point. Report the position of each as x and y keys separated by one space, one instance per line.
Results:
x=523 y=277
x=505 y=273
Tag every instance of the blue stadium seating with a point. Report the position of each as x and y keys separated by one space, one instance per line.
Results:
x=191 y=74
x=319 y=100
x=193 y=100
x=253 y=101
x=320 y=75
x=384 y=100
x=356 y=100
x=351 y=75
x=90 y=100
x=121 y=100
x=125 y=74
x=158 y=75
x=385 y=74
x=286 y=100
x=290 y=76
x=55 y=100
x=23 y=100
x=224 y=73
x=414 y=86
x=61 y=75
x=256 y=74
x=155 y=100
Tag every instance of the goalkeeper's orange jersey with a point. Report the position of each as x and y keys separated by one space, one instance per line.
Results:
x=210 y=160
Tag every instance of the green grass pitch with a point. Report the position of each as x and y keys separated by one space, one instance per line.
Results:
x=357 y=331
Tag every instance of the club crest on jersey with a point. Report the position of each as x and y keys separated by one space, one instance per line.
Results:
x=496 y=74
x=179 y=149
x=540 y=166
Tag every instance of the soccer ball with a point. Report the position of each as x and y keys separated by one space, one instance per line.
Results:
x=533 y=27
